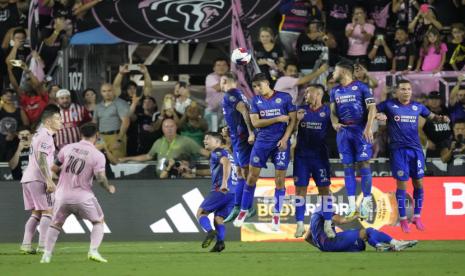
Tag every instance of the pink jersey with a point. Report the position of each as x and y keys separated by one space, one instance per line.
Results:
x=79 y=163
x=42 y=142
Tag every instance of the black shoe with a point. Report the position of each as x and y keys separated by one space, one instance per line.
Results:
x=219 y=246
x=211 y=235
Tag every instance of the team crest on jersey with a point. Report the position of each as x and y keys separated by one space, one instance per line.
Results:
x=44 y=146
x=415 y=107
x=218 y=153
x=322 y=114
x=256 y=159
x=262 y=113
x=364 y=154
x=278 y=100
x=232 y=98
x=259 y=102
x=354 y=87
x=400 y=173
x=397 y=118
x=337 y=100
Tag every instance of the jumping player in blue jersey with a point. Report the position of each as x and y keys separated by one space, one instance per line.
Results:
x=353 y=111
x=220 y=201
x=311 y=157
x=407 y=159
x=236 y=114
x=350 y=240
x=274 y=116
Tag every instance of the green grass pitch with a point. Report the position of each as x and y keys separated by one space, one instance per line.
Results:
x=188 y=258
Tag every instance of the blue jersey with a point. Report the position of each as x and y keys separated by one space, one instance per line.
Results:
x=234 y=120
x=312 y=130
x=232 y=181
x=351 y=102
x=280 y=103
x=317 y=225
x=216 y=168
x=402 y=123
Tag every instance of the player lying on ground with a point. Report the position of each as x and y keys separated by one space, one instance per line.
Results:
x=37 y=182
x=79 y=163
x=350 y=240
x=220 y=200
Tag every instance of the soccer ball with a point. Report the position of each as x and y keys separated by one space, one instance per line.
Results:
x=241 y=56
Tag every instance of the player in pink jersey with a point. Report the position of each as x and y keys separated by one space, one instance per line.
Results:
x=37 y=180
x=79 y=162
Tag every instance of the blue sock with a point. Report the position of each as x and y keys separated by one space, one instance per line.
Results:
x=221 y=232
x=239 y=191
x=418 y=199
x=300 y=209
x=365 y=173
x=247 y=197
x=205 y=223
x=349 y=178
x=375 y=236
x=400 y=196
x=327 y=207
x=279 y=195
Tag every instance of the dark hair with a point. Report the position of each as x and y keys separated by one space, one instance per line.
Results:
x=402 y=28
x=231 y=76
x=399 y=82
x=88 y=89
x=23 y=128
x=88 y=130
x=291 y=63
x=7 y=90
x=217 y=136
x=130 y=83
x=459 y=121
x=360 y=8
x=426 y=44
x=19 y=31
x=220 y=59
x=346 y=64
x=49 y=111
x=150 y=98
x=183 y=84
x=259 y=77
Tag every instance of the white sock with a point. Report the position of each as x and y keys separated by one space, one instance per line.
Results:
x=352 y=205
x=367 y=197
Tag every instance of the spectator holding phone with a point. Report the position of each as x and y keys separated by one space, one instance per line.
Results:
x=18 y=51
x=19 y=160
x=183 y=99
x=423 y=21
x=380 y=55
x=404 y=53
x=359 y=34
x=455 y=57
x=453 y=151
x=432 y=53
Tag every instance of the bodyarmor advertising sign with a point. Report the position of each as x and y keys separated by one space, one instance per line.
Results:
x=174 y=21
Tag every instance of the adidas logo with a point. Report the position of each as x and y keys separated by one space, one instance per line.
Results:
x=73 y=226
x=396 y=106
x=179 y=216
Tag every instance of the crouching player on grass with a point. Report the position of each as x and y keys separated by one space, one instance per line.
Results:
x=79 y=163
x=350 y=240
x=220 y=201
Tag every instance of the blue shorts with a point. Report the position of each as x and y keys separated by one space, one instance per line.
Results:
x=352 y=146
x=347 y=241
x=219 y=203
x=241 y=152
x=261 y=151
x=407 y=162
x=306 y=167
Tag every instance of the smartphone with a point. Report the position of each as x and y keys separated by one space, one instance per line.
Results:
x=424 y=8
x=380 y=37
x=133 y=67
x=168 y=103
x=16 y=62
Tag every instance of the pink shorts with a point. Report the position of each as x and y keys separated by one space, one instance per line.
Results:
x=89 y=209
x=35 y=196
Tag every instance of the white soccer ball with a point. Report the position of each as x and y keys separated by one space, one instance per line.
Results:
x=241 y=56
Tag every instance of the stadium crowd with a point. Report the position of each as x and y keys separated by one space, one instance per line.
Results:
x=398 y=36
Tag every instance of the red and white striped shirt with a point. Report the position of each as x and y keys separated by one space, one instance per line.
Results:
x=72 y=117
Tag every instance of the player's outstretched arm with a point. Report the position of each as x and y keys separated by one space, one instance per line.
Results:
x=103 y=181
x=258 y=123
x=438 y=118
x=338 y=220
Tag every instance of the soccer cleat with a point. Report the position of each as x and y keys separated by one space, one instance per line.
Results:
x=46 y=258
x=235 y=211
x=351 y=213
x=240 y=218
x=418 y=223
x=275 y=223
x=328 y=228
x=95 y=256
x=402 y=245
x=211 y=235
x=219 y=246
x=404 y=226
x=27 y=250
x=251 y=212
x=383 y=247
x=40 y=249
x=300 y=230
x=366 y=207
